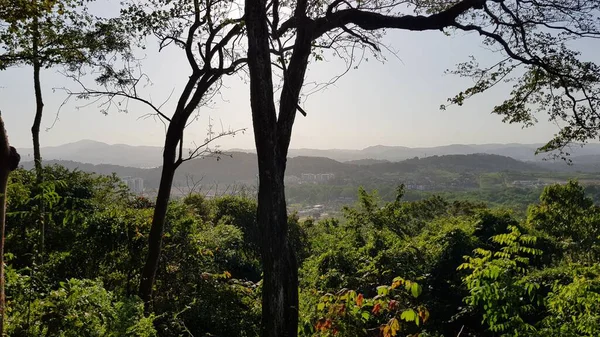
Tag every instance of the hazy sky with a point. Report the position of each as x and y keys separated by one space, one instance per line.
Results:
x=396 y=103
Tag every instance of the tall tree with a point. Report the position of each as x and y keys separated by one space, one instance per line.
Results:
x=531 y=36
x=48 y=33
x=9 y=160
x=208 y=32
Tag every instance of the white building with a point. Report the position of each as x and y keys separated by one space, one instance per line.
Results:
x=318 y=177
x=136 y=185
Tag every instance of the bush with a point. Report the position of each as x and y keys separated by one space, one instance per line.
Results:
x=78 y=308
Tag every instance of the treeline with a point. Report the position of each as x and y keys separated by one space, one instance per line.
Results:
x=511 y=197
x=432 y=267
x=452 y=171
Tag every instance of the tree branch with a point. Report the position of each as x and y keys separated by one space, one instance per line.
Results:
x=371 y=21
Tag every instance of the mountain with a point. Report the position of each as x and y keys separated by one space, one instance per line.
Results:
x=241 y=168
x=93 y=152
x=586 y=163
x=367 y=161
x=524 y=152
x=462 y=163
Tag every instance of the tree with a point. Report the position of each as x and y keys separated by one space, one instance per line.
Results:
x=209 y=36
x=530 y=35
x=570 y=218
x=496 y=283
x=48 y=33
x=9 y=160
x=536 y=40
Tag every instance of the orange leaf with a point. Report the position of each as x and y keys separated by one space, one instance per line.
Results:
x=386 y=331
x=424 y=314
x=376 y=309
x=397 y=282
x=359 y=300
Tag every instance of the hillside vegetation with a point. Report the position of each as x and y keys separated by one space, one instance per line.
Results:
x=242 y=168
x=434 y=267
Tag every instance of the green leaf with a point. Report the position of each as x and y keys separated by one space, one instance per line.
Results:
x=408 y=315
x=415 y=290
x=383 y=290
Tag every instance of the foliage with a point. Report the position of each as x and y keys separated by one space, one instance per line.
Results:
x=209 y=276
x=574 y=308
x=389 y=313
x=569 y=216
x=76 y=308
x=52 y=32
x=495 y=283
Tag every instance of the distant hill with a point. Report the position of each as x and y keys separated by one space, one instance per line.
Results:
x=92 y=152
x=523 y=152
x=367 y=161
x=474 y=163
x=241 y=168
x=586 y=163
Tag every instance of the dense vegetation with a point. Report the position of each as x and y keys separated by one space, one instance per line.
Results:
x=432 y=267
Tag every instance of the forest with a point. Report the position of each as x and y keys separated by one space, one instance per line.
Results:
x=82 y=256
x=431 y=267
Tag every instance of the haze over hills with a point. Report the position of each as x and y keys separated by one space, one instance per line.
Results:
x=93 y=152
x=241 y=168
x=524 y=152
x=375 y=166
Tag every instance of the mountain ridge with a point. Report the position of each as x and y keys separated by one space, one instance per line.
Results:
x=242 y=168
x=95 y=152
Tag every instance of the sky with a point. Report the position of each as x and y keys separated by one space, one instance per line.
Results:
x=394 y=103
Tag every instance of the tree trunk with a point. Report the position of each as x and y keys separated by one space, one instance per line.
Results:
x=9 y=160
x=3 y=183
x=37 y=157
x=37 y=121
x=39 y=102
x=158 y=219
x=280 y=273
x=191 y=96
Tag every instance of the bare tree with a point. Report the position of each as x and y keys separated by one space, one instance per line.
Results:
x=208 y=32
x=531 y=35
x=9 y=160
x=192 y=186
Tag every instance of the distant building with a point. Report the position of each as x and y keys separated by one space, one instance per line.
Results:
x=136 y=185
x=315 y=211
x=530 y=183
x=316 y=177
x=291 y=179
